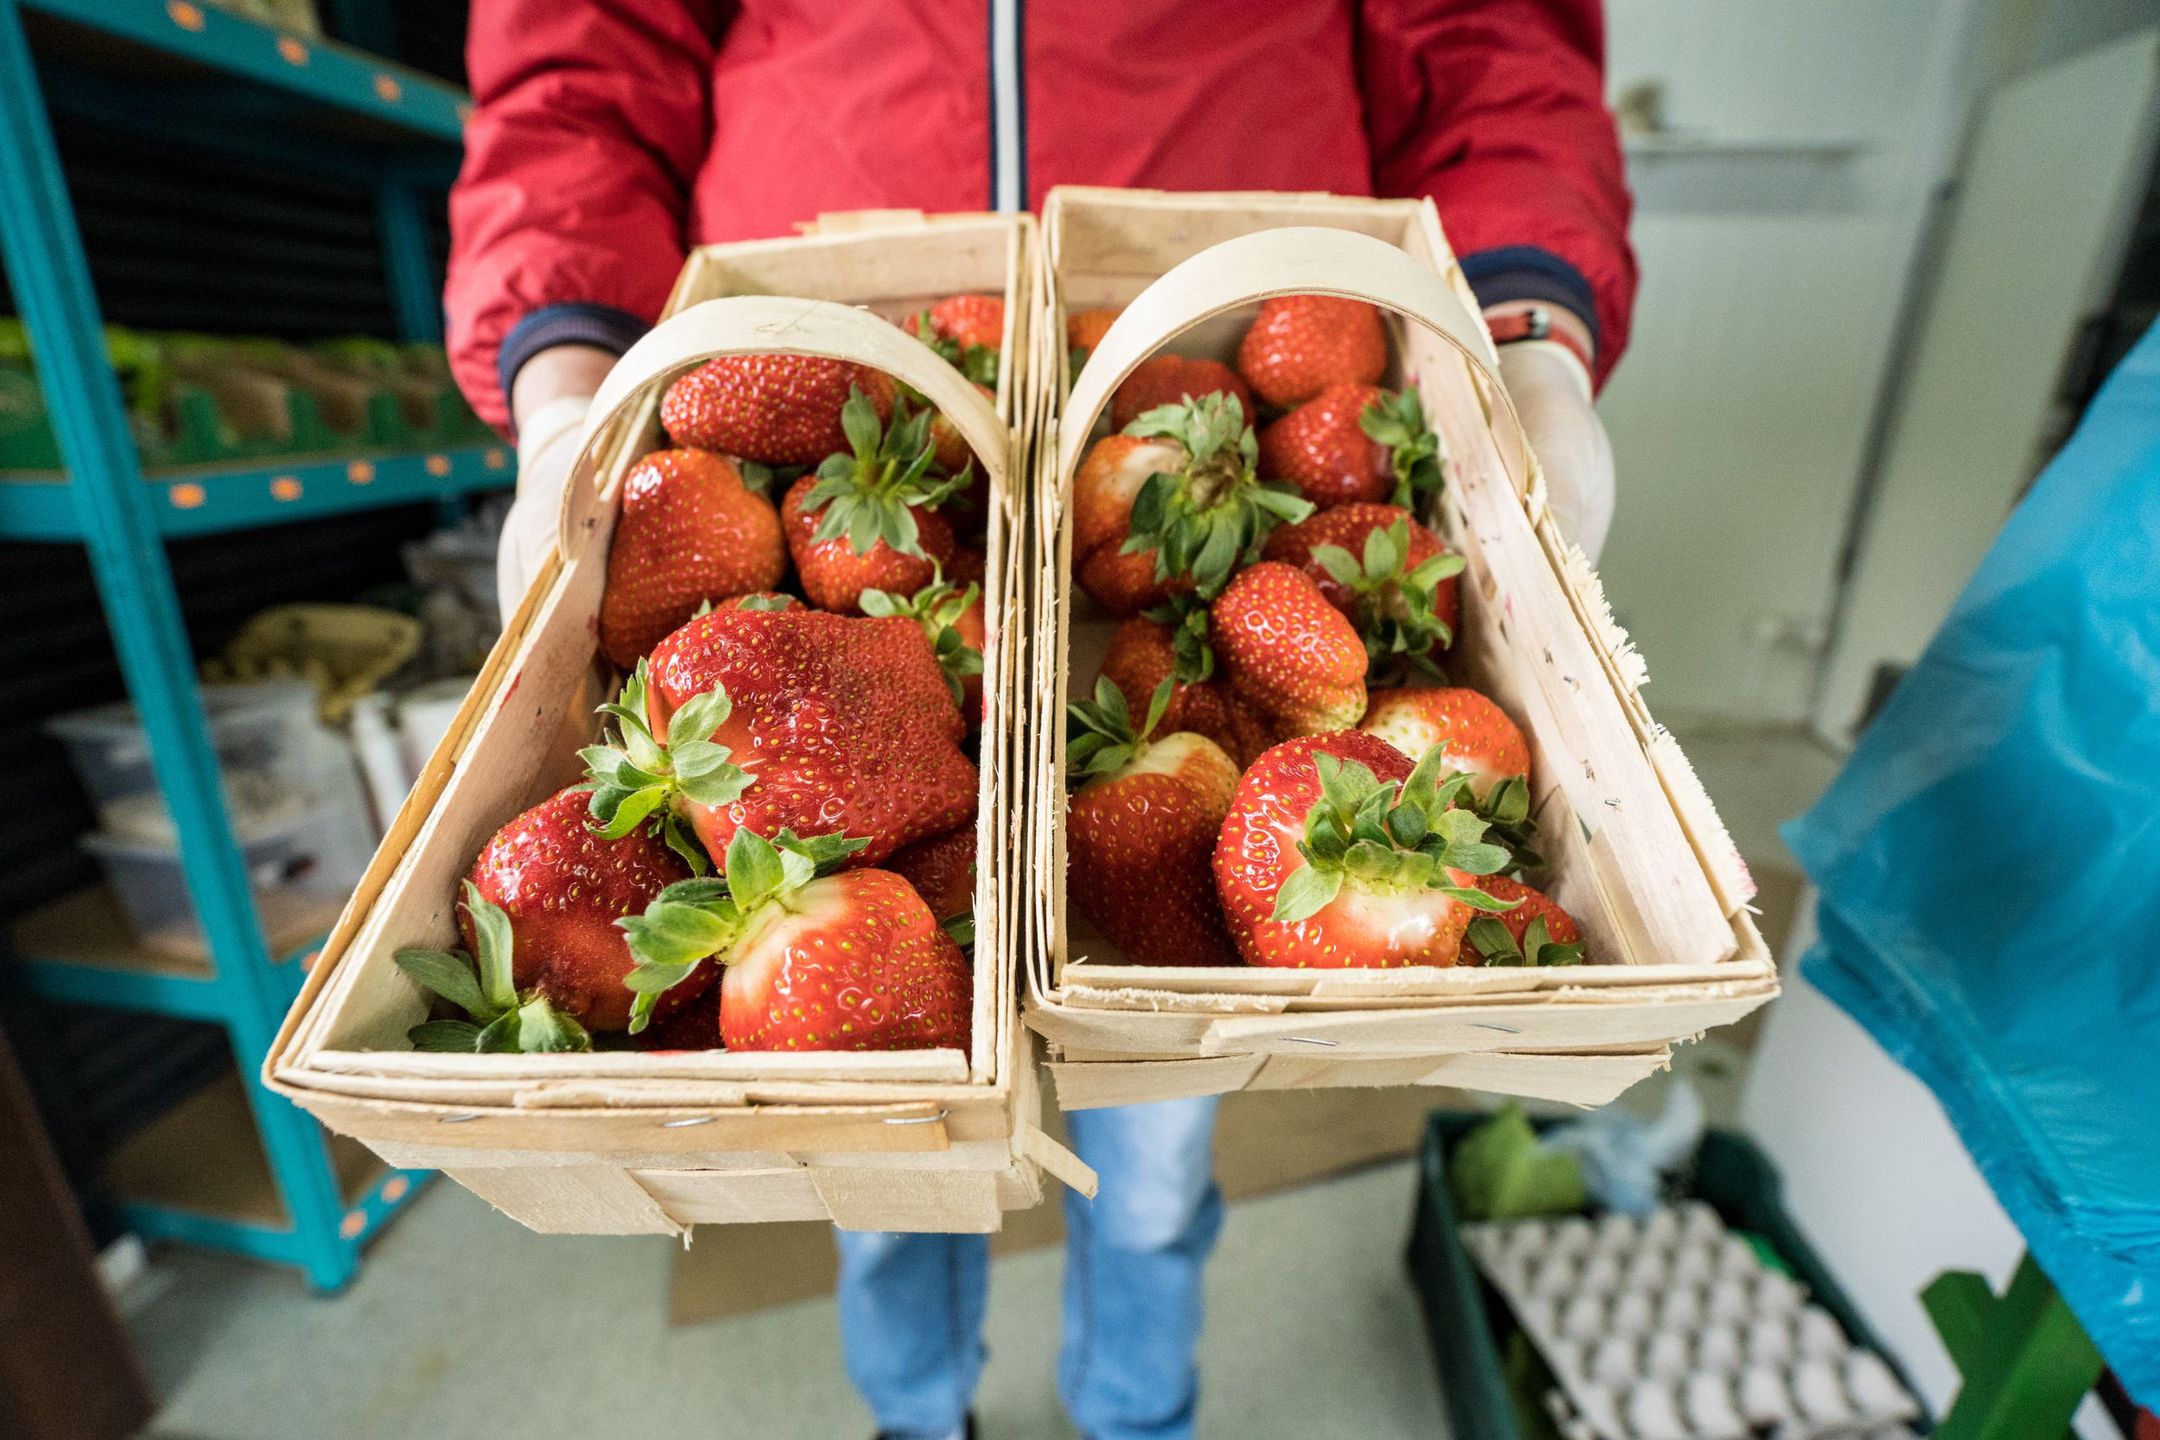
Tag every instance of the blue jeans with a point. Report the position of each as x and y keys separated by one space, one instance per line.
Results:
x=911 y=1306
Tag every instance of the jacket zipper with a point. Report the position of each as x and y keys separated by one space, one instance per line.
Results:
x=1008 y=108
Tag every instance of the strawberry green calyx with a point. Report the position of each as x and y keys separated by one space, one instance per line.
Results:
x=695 y=920
x=1207 y=521
x=978 y=363
x=937 y=607
x=500 y=1020
x=1506 y=808
x=1186 y=616
x=1381 y=835
x=639 y=777
x=1395 y=605
x=1398 y=422
x=1103 y=740
x=1492 y=941
x=869 y=492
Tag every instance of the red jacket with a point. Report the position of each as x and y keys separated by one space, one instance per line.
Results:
x=608 y=135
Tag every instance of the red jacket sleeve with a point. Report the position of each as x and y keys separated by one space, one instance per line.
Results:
x=589 y=121
x=1496 y=109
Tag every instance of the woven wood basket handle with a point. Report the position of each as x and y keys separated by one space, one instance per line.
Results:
x=768 y=325
x=1293 y=260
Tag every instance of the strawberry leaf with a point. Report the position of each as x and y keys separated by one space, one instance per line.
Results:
x=499 y=1036
x=491 y=934
x=962 y=929
x=445 y=1037
x=1477 y=899
x=1306 y=893
x=697 y=718
x=825 y=852
x=449 y=974
x=859 y=420
x=542 y=1029
x=753 y=867
x=1339 y=563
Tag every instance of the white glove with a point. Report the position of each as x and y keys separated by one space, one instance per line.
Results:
x=1551 y=390
x=547 y=447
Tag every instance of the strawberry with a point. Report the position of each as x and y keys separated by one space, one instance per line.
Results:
x=1176 y=380
x=690 y=531
x=968 y=330
x=695 y=1026
x=1084 y=330
x=776 y=409
x=942 y=870
x=969 y=508
x=1301 y=344
x=1286 y=652
x=969 y=565
x=1535 y=932
x=1474 y=736
x=868 y=517
x=539 y=914
x=1141 y=831
x=951 y=618
x=1355 y=442
x=1143 y=654
x=812 y=960
x=1338 y=852
x=1172 y=500
x=1390 y=575
x=784 y=719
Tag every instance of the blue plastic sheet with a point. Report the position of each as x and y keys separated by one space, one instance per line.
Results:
x=1989 y=864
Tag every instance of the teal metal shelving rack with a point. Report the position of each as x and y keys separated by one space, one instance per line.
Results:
x=202 y=76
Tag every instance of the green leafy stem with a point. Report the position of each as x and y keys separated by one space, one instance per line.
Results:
x=500 y=1020
x=638 y=778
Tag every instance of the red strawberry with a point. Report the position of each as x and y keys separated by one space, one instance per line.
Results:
x=951 y=618
x=1301 y=344
x=539 y=914
x=968 y=566
x=1141 y=832
x=942 y=870
x=785 y=719
x=690 y=532
x=1176 y=380
x=851 y=961
x=970 y=507
x=695 y=1026
x=1473 y=734
x=1354 y=442
x=1337 y=852
x=968 y=330
x=868 y=518
x=1172 y=501
x=1286 y=652
x=1535 y=932
x=1084 y=330
x=775 y=409
x=1390 y=575
x=1143 y=654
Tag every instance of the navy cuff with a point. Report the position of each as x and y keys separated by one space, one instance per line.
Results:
x=1524 y=272
x=577 y=323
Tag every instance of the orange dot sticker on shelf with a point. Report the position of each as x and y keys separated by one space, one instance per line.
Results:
x=285 y=487
x=184 y=15
x=496 y=458
x=353 y=1224
x=360 y=472
x=293 y=49
x=438 y=465
x=187 y=495
x=388 y=88
x=394 y=1188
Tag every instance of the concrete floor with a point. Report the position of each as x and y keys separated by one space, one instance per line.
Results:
x=465 y=1326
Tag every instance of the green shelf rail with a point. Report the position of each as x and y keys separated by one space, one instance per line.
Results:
x=197 y=76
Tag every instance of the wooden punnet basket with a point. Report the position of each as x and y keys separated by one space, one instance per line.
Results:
x=1637 y=853
x=629 y=1142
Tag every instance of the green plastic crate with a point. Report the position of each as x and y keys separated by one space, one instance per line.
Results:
x=1468 y=1323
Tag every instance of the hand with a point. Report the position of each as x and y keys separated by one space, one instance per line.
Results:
x=1551 y=391
x=548 y=400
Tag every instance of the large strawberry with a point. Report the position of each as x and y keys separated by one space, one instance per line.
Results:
x=543 y=961
x=1352 y=443
x=1338 y=853
x=775 y=409
x=1301 y=344
x=867 y=519
x=785 y=719
x=942 y=870
x=1176 y=380
x=1286 y=652
x=1141 y=831
x=1145 y=652
x=690 y=532
x=1390 y=575
x=1535 y=932
x=1474 y=736
x=951 y=617
x=1172 y=504
x=851 y=961
x=968 y=330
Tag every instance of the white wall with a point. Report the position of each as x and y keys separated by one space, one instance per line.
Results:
x=1769 y=292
